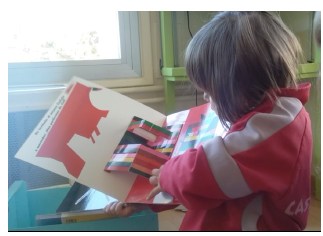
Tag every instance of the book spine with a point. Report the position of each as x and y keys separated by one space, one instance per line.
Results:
x=48 y=221
x=67 y=218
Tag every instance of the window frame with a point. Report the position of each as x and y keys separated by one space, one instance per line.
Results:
x=134 y=69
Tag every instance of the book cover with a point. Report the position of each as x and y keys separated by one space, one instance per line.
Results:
x=84 y=198
x=109 y=142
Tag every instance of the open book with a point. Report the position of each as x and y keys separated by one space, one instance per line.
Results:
x=109 y=142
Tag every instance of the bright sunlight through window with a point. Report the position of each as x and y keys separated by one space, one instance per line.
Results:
x=62 y=32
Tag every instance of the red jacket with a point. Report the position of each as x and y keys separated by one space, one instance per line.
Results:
x=256 y=178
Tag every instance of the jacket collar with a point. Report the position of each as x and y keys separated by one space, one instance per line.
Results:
x=302 y=92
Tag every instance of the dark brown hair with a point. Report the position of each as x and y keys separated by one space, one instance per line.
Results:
x=237 y=57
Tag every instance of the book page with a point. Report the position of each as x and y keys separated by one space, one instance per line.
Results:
x=79 y=133
x=195 y=126
x=141 y=187
x=201 y=124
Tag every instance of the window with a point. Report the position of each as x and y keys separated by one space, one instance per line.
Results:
x=64 y=38
x=109 y=48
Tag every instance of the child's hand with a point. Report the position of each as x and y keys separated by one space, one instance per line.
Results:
x=121 y=209
x=154 y=180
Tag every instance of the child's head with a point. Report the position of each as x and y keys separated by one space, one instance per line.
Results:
x=238 y=56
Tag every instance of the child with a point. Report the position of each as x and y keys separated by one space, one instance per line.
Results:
x=258 y=176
